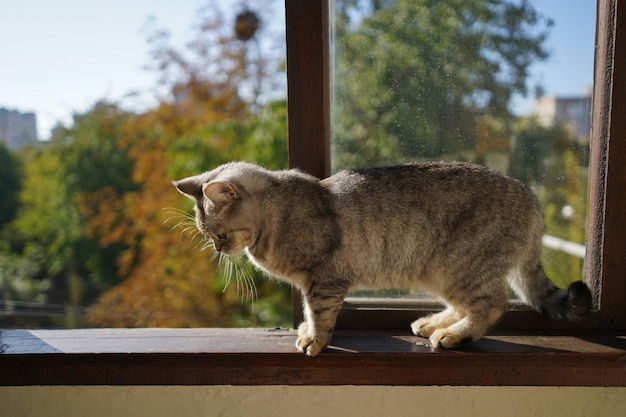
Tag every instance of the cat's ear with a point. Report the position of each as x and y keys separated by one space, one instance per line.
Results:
x=220 y=192
x=190 y=186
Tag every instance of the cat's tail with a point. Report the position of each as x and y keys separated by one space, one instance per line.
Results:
x=551 y=301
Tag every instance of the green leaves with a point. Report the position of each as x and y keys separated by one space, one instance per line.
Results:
x=413 y=76
x=10 y=184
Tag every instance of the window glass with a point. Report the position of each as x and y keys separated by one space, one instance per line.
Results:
x=502 y=83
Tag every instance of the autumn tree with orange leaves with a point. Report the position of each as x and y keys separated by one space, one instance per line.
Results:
x=169 y=280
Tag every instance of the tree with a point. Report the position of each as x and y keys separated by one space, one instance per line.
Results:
x=413 y=76
x=21 y=280
x=211 y=118
x=10 y=184
x=43 y=236
x=166 y=279
x=51 y=233
x=99 y=219
x=552 y=162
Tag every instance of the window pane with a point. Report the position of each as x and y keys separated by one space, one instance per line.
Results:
x=501 y=83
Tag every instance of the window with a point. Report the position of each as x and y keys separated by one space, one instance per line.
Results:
x=38 y=359
x=309 y=83
x=443 y=80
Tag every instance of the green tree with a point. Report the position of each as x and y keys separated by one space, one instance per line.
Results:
x=553 y=163
x=45 y=232
x=534 y=145
x=95 y=162
x=412 y=76
x=51 y=233
x=10 y=184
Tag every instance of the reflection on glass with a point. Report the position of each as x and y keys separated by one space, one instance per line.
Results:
x=439 y=80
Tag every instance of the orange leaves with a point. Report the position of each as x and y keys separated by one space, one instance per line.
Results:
x=170 y=286
x=165 y=279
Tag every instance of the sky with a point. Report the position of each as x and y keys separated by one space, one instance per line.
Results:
x=569 y=70
x=59 y=57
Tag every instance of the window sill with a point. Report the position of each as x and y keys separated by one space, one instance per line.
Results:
x=268 y=357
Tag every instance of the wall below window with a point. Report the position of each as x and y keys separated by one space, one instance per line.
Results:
x=277 y=401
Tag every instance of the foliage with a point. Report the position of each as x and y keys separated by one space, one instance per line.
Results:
x=169 y=280
x=98 y=214
x=17 y=273
x=413 y=76
x=553 y=163
x=10 y=184
x=52 y=222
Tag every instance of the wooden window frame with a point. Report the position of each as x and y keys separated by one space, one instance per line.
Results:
x=308 y=81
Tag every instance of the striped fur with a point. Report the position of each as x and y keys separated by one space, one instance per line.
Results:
x=457 y=230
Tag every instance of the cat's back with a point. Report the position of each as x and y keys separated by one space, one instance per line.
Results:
x=427 y=182
x=432 y=199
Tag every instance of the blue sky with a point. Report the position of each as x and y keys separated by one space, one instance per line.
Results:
x=58 y=57
x=569 y=69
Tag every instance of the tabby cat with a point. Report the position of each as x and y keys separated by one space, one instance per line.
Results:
x=457 y=230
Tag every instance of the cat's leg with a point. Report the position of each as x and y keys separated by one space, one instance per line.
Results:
x=426 y=326
x=320 y=309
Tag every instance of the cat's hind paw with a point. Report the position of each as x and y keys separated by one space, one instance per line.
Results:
x=308 y=345
x=445 y=338
x=427 y=326
x=303 y=328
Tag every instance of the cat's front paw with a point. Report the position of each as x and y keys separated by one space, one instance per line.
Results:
x=308 y=345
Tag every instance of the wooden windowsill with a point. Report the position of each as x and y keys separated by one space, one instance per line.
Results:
x=268 y=357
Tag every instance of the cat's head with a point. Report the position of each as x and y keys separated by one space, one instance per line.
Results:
x=224 y=210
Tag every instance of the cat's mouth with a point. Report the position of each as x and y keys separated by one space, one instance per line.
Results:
x=220 y=241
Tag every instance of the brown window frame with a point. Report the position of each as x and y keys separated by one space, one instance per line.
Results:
x=308 y=83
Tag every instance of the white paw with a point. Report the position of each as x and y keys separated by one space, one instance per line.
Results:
x=423 y=327
x=308 y=345
x=446 y=339
x=303 y=328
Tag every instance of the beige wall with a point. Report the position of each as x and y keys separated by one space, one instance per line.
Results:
x=341 y=401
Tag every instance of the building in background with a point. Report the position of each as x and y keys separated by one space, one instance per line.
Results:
x=573 y=113
x=17 y=130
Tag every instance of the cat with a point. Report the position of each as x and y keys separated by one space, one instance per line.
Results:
x=457 y=230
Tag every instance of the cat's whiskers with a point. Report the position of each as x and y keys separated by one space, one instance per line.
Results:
x=239 y=268
x=231 y=267
x=245 y=279
x=185 y=220
x=186 y=223
x=175 y=213
x=207 y=243
x=203 y=243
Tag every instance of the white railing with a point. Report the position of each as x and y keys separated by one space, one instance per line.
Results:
x=571 y=248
